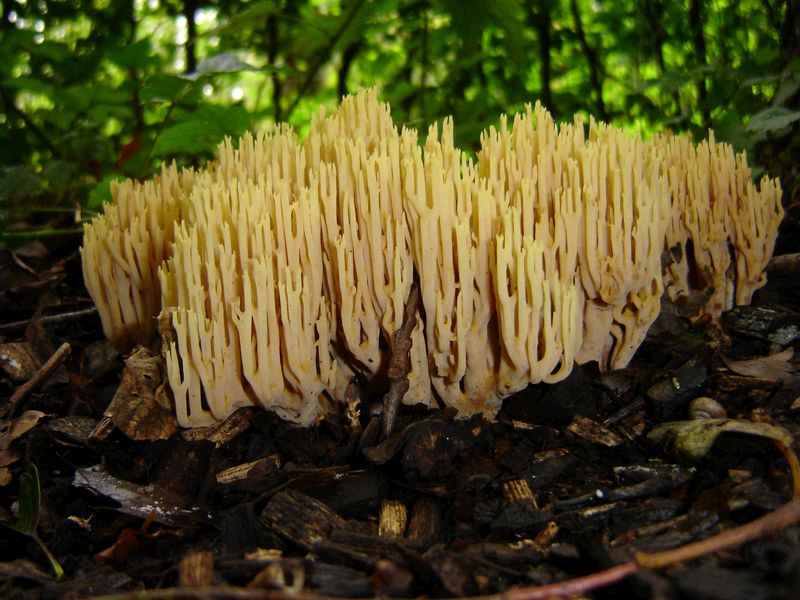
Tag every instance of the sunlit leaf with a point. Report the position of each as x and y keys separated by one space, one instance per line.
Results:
x=245 y=18
x=227 y=62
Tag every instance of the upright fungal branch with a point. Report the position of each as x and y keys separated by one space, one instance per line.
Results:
x=365 y=235
x=625 y=208
x=722 y=228
x=284 y=268
x=122 y=249
x=244 y=291
x=598 y=200
x=451 y=217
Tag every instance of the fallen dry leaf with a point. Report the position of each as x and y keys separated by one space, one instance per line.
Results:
x=141 y=408
x=19 y=427
x=775 y=367
x=9 y=456
x=130 y=540
x=10 y=432
x=692 y=440
x=594 y=432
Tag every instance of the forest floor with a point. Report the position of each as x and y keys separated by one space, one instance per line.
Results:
x=672 y=478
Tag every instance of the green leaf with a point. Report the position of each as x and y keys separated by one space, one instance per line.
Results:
x=188 y=138
x=136 y=55
x=50 y=50
x=254 y=13
x=233 y=120
x=33 y=85
x=101 y=193
x=18 y=181
x=506 y=14
x=60 y=172
x=772 y=119
x=30 y=497
x=789 y=88
x=164 y=88
x=201 y=129
x=462 y=15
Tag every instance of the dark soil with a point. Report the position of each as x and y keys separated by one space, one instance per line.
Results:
x=565 y=483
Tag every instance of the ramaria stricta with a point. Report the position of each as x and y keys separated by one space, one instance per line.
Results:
x=282 y=269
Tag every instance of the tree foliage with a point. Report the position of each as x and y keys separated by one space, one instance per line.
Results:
x=101 y=89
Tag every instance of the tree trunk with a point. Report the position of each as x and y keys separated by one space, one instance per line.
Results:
x=595 y=76
x=190 y=48
x=699 y=43
x=540 y=18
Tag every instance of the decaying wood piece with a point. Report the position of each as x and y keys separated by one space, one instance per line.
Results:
x=518 y=490
x=425 y=525
x=251 y=471
x=300 y=519
x=393 y=519
x=196 y=569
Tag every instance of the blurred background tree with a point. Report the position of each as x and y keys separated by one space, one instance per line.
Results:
x=93 y=90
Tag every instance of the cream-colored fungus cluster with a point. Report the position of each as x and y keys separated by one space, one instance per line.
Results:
x=723 y=228
x=123 y=247
x=285 y=267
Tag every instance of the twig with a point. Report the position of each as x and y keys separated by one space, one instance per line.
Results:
x=573 y=587
x=770 y=524
x=12 y=107
x=794 y=466
x=59 y=318
x=400 y=362
x=217 y=592
x=43 y=373
x=30 y=234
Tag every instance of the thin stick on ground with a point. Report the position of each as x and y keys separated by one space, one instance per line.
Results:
x=49 y=319
x=7 y=411
x=770 y=524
